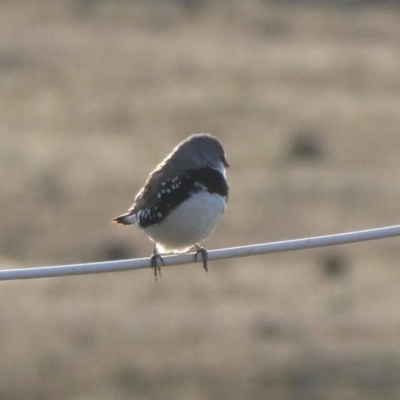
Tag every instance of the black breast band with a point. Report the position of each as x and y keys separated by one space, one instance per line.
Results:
x=174 y=191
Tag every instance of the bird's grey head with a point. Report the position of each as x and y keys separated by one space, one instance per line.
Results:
x=201 y=150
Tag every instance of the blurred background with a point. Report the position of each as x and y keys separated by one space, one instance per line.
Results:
x=304 y=95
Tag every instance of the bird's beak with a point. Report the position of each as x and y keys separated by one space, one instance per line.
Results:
x=225 y=162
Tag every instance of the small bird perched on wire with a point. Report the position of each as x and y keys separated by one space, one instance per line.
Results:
x=183 y=199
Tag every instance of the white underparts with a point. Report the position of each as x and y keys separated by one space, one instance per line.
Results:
x=189 y=223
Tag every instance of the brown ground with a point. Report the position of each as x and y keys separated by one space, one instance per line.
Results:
x=93 y=94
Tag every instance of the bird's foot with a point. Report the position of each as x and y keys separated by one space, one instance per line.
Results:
x=204 y=256
x=155 y=265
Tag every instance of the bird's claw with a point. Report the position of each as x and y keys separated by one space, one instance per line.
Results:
x=204 y=256
x=155 y=265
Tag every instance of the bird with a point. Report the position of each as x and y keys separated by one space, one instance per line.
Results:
x=183 y=199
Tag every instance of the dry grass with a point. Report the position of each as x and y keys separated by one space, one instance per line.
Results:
x=91 y=97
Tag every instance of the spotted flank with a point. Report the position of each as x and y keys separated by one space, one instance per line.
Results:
x=176 y=190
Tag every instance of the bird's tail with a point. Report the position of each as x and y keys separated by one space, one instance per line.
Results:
x=126 y=219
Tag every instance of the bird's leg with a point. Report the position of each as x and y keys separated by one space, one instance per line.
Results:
x=154 y=262
x=204 y=256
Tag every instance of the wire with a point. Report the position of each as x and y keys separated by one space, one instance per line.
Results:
x=187 y=258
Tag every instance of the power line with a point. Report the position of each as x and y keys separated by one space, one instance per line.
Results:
x=232 y=252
